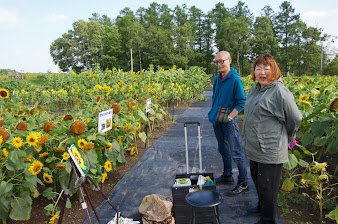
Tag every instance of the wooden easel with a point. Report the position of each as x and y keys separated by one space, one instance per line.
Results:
x=79 y=183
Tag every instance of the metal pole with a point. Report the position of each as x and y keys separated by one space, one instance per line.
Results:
x=131 y=59
x=186 y=147
x=321 y=60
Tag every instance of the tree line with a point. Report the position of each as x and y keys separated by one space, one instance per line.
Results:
x=184 y=37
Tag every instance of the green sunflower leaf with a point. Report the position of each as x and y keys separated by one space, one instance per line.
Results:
x=332 y=147
x=293 y=161
x=5 y=202
x=142 y=136
x=16 y=160
x=21 y=207
x=5 y=187
x=288 y=185
x=307 y=139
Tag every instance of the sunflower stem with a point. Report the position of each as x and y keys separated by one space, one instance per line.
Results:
x=4 y=221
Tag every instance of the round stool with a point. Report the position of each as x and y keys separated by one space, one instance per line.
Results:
x=204 y=199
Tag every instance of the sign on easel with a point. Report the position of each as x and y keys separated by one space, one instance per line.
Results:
x=148 y=104
x=78 y=160
x=105 y=121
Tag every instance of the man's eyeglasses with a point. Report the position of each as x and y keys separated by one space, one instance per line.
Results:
x=221 y=61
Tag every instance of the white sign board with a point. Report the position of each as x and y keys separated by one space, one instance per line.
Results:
x=105 y=121
x=148 y=105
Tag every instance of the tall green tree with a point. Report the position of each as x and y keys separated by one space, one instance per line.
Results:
x=208 y=44
x=263 y=37
x=220 y=16
x=125 y=21
x=182 y=36
x=238 y=32
x=285 y=22
x=196 y=23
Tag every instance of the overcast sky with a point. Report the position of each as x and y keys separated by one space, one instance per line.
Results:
x=28 y=27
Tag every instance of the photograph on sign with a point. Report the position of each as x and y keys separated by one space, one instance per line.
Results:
x=78 y=160
x=105 y=120
x=148 y=103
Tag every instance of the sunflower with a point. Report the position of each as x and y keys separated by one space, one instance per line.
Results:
x=48 y=126
x=133 y=151
x=60 y=166
x=54 y=219
x=47 y=178
x=104 y=176
x=22 y=126
x=17 y=142
x=88 y=147
x=98 y=98
x=32 y=139
x=132 y=105
x=334 y=104
x=1 y=140
x=35 y=168
x=305 y=105
x=109 y=145
x=116 y=108
x=81 y=143
x=28 y=158
x=303 y=97
x=107 y=166
x=5 y=153
x=77 y=128
x=44 y=155
x=119 y=139
x=59 y=150
x=4 y=93
x=43 y=140
x=68 y=117
x=37 y=149
x=78 y=101
x=65 y=155
x=4 y=134
x=2 y=121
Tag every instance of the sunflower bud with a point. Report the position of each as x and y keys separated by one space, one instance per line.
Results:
x=323 y=178
x=48 y=126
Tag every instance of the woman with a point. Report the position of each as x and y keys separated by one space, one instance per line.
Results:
x=271 y=119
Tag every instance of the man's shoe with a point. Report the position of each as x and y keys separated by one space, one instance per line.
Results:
x=241 y=188
x=223 y=179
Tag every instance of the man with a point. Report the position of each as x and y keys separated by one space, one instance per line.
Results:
x=228 y=93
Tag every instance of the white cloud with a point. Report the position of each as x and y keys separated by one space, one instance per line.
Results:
x=315 y=14
x=320 y=14
x=9 y=19
x=53 y=17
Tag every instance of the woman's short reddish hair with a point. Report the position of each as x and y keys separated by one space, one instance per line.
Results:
x=267 y=59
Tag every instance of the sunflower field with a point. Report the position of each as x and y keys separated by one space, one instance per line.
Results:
x=39 y=122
